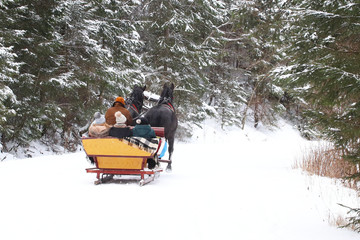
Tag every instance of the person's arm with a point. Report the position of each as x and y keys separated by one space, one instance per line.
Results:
x=129 y=119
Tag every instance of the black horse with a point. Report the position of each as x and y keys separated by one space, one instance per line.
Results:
x=135 y=102
x=164 y=115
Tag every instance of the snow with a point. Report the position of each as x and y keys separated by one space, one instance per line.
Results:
x=225 y=184
x=149 y=95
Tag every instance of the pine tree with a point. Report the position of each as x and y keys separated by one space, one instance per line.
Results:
x=323 y=68
x=174 y=50
x=224 y=93
x=249 y=38
x=99 y=43
x=75 y=56
x=30 y=37
x=9 y=70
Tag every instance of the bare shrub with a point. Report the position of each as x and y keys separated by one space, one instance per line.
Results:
x=327 y=161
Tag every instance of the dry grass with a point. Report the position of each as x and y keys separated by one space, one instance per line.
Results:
x=327 y=161
x=324 y=160
x=341 y=222
x=337 y=221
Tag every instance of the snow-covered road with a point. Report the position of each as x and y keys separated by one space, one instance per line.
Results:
x=224 y=185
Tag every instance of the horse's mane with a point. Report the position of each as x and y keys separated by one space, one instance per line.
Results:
x=166 y=95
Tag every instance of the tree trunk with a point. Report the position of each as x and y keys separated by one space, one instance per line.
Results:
x=256 y=115
x=166 y=34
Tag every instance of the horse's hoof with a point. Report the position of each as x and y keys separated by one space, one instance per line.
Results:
x=168 y=169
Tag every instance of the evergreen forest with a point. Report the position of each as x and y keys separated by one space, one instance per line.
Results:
x=239 y=61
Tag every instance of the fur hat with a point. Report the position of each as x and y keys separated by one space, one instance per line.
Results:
x=142 y=121
x=120 y=100
x=98 y=118
x=120 y=119
x=97 y=115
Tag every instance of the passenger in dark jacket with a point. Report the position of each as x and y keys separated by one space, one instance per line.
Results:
x=143 y=129
x=120 y=130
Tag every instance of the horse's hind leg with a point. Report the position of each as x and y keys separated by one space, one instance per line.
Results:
x=170 y=150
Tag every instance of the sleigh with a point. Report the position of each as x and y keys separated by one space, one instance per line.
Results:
x=124 y=160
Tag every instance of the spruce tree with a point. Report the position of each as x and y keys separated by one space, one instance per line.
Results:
x=174 y=50
x=249 y=36
x=9 y=70
x=98 y=58
x=75 y=57
x=32 y=42
x=323 y=68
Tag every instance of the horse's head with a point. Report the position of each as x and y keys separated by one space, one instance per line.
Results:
x=136 y=99
x=167 y=93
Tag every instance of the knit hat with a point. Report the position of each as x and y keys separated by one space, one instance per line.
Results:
x=120 y=119
x=120 y=100
x=142 y=121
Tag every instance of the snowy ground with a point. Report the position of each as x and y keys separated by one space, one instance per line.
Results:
x=224 y=185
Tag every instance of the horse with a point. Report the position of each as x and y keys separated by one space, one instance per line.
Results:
x=135 y=102
x=164 y=115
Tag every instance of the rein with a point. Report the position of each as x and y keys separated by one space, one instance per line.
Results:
x=131 y=103
x=133 y=107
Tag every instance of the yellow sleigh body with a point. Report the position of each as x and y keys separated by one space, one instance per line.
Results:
x=114 y=153
x=114 y=156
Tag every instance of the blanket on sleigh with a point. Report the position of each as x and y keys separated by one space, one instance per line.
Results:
x=148 y=145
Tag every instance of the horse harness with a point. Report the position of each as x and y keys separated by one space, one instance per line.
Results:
x=132 y=105
x=166 y=101
x=169 y=106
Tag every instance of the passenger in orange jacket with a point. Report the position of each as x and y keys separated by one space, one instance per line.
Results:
x=118 y=105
